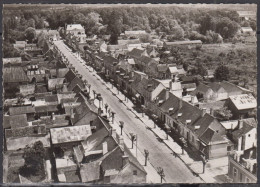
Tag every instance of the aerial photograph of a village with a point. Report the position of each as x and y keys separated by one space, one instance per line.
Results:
x=129 y=93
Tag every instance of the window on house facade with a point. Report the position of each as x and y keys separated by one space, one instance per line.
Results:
x=228 y=148
x=248 y=135
x=135 y=172
x=234 y=172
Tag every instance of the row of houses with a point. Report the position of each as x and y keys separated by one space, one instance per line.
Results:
x=80 y=143
x=174 y=101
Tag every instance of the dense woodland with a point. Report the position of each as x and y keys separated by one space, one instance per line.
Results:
x=212 y=26
x=175 y=23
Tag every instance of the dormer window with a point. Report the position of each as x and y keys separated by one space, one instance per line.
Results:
x=197 y=127
x=161 y=101
x=188 y=121
x=179 y=114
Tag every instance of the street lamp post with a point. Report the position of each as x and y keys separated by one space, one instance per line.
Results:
x=143 y=108
x=204 y=162
x=113 y=116
x=100 y=100
x=146 y=154
x=160 y=171
x=133 y=138
x=121 y=125
x=106 y=106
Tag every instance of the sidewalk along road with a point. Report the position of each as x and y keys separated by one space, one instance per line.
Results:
x=160 y=155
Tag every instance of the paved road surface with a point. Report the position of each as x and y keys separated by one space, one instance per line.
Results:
x=160 y=155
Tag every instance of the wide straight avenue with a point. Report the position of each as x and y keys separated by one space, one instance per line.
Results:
x=160 y=155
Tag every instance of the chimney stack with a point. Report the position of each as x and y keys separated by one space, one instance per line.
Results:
x=71 y=113
x=167 y=93
x=250 y=154
x=251 y=167
x=113 y=132
x=104 y=147
x=53 y=116
x=212 y=112
x=240 y=124
x=204 y=111
x=238 y=157
x=180 y=104
x=170 y=85
x=121 y=142
x=192 y=99
x=173 y=78
x=64 y=87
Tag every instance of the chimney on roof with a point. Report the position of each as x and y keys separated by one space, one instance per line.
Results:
x=184 y=92
x=72 y=115
x=173 y=78
x=104 y=147
x=121 y=142
x=251 y=167
x=240 y=124
x=180 y=104
x=125 y=160
x=238 y=156
x=212 y=111
x=192 y=99
x=170 y=85
x=53 y=116
x=113 y=132
x=167 y=93
x=250 y=154
x=64 y=87
x=204 y=111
